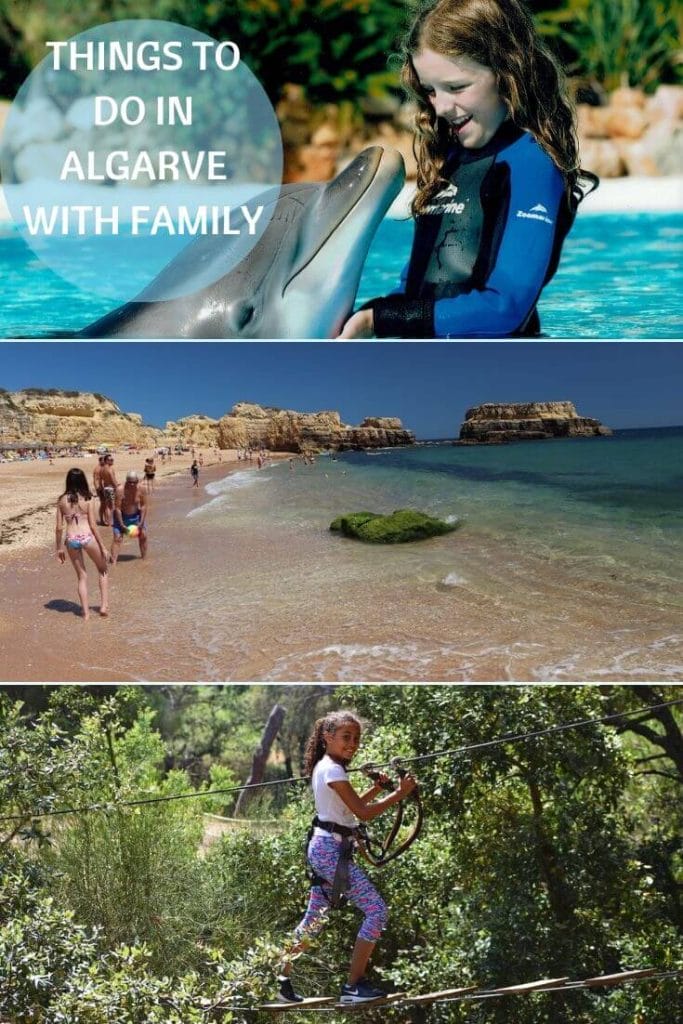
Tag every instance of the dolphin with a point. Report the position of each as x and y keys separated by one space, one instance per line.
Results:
x=298 y=281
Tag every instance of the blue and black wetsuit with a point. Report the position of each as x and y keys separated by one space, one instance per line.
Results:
x=484 y=247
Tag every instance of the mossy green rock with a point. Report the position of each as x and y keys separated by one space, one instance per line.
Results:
x=400 y=527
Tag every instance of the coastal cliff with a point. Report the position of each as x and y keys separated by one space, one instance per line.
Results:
x=249 y=425
x=61 y=418
x=526 y=421
x=199 y=431
x=36 y=416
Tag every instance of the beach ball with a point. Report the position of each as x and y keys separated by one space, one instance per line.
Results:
x=133 y=531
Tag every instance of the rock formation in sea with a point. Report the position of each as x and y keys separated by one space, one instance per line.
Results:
x=37 y=416
x=284 y=430
x=526 y=421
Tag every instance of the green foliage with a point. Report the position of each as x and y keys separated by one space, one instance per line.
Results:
x=402 y=526
x=543 y=875
x=204 y=727
x=619 y=42
x=550 y=856
x=40 y=768
x=134 y=872
x=336 y=49
x=54 y=971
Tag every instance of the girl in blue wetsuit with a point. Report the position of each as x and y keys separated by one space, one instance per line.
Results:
x=498 y=180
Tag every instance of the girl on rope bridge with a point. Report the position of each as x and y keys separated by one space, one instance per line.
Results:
x=331 y=747
x=498 y=176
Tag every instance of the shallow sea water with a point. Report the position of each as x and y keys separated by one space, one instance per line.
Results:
x=566 y=567
x=619 y=278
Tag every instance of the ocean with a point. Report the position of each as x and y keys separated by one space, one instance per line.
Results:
x=566 y=565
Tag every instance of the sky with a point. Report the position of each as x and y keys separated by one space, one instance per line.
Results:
x=428 y=385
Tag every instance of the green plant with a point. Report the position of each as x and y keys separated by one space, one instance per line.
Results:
x=618 y=42
x=336 y=49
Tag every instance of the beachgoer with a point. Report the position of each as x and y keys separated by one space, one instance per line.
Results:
x=74 y=511
x=194 y=470
x=130 y=514
x=498 y=180
x=97 y=486
x=109 y=484
x=150 y=473
x=331 y=747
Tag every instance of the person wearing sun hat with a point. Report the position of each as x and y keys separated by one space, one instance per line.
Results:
x=130 y=514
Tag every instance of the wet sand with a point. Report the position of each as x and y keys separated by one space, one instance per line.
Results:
x=230 y=598
x=43 y=637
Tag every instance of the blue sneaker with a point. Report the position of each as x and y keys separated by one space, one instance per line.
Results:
x=286 y=993
x=361 y=992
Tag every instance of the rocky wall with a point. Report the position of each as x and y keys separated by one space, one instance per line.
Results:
x=527 y=421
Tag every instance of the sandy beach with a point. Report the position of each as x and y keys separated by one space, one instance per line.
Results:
x=29 y=489
x=39 y=598
x=245 y=582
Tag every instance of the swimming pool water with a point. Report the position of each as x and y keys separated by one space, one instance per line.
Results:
x=619 y=277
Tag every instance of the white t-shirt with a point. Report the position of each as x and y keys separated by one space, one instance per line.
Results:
x=328 y=805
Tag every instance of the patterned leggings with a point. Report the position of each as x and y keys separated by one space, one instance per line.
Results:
x=323 y=854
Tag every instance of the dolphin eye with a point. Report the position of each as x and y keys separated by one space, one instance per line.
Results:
x=241 y=314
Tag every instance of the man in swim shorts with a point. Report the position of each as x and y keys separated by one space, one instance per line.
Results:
x=150 y=473
x=108 y=483
x=97 y=486
x=130 y=513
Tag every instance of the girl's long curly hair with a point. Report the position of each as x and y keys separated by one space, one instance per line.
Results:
x=499 y=34
x=76 y=485
x=315 y=748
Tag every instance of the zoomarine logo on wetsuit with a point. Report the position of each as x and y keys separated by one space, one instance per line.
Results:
x=537 y=212
x=444 y=202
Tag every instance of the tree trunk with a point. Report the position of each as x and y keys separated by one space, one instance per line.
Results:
x=560 y=897
x=261 y=754
x=671 y=740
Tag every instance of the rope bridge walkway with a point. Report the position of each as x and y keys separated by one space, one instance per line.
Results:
x=474 y=994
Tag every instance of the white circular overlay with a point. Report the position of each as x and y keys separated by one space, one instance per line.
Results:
x=130 y=142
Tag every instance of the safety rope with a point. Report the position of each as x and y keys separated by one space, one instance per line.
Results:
x=379 y=854
x=420 y=758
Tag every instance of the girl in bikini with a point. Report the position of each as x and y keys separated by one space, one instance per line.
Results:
x=75 y=519
x=331 y=747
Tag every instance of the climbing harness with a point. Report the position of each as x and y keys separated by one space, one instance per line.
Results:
x=340 y=883
x=376 y=853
